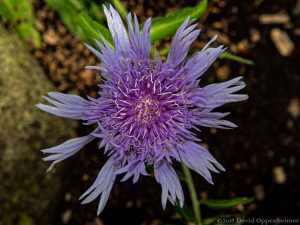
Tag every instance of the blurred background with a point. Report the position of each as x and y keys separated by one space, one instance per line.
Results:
x=41 y=49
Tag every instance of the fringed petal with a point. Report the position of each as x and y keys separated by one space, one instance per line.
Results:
x=110 y=61
x=215 y=95
x=102 y=185
x=206 y=118
x=168 y=179
x=66 y=105
x=181 y=42
x=117 y=30
x=140 y=43
x=134 y=169
x=201 y=61
x=66 y=149
x=199 y=159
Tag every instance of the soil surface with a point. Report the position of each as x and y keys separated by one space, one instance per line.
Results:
x=260 y=156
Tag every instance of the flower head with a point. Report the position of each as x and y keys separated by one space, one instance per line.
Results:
x=147 y=109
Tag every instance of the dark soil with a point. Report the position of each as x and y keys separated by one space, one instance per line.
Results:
x=260 y=156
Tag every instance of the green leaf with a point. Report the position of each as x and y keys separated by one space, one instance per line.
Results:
x=7 y=11
x=166 y=26
x=28 y=33
x=93 y=29
x=96 y=11
x=16 y=10
x=222 y=219
x=23 y=10
x=77 y=4
x=225 y=204
x=19 y=15
x=230 y=56
x=83 y=26
x=69 y=14
x=185 y=212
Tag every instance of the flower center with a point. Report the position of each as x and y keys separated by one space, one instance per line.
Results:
x=146 y=109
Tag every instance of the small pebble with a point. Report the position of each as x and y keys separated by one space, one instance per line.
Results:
x=274 y=18
x=129 y=204
x=297 y=31
x=243 y=45
x=68 y=197
x=66 y=216
x=279 y=175
x=98 y=221
x=290 y=124
x=294 y=108
x=87 y=76
x=282 y=41
x=155 y=222
x=259 y=192
x=292 y=161
x=213 y=130
x=255 y=35
x=240 y=208
x=223 y=72
x=50 y=37
x=85 y=177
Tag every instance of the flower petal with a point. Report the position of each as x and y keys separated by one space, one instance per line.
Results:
x=140 y=43
x=66 y=149
x=199 y=159
x=117 y=30
x=66 y=105
x=181 y=42
x=102 y=185
x=206 y=118
x=171 y=188
x=110 y=60
x=133 y=169
x=201 y=61
x=216 y=95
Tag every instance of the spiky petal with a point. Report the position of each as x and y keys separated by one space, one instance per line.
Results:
x=171 y=188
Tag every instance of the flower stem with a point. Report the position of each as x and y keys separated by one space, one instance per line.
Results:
x=193 y=194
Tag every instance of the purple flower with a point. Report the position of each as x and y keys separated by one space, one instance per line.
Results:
x=147 y=109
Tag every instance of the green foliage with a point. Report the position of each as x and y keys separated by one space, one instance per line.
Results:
x=19 y=15
x=181 y=175
x=93 y=30
x=230 y=56
x=92 y=8
x=16 y=10
x=27 y=32
x=225 y=204
x=185 y=212
x=25 y=220
x=166 y=26
x=69 y=11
